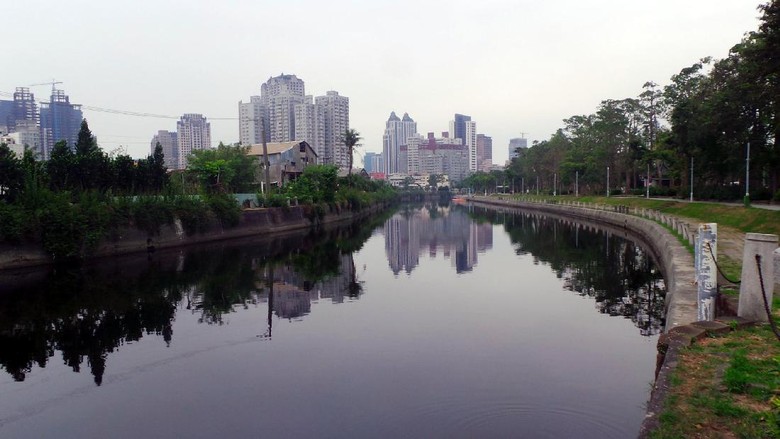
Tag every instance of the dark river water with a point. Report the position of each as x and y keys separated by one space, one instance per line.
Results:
x=429 y=322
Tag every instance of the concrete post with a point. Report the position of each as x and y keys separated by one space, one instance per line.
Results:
x=751 y=302
x=707 y=272
x=777 y=267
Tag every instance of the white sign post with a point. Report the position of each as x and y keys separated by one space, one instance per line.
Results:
x=706 y=270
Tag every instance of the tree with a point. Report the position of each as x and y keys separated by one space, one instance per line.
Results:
x=351 y=139
x=60 y=167
x=227 y=167
x=11 y=174
x=91 y=165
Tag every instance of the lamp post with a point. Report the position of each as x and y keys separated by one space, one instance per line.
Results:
x=607 y=181
x=577 y=183
x=555 y=184
x=747 y=176
x=691 y=179
x=647 y=182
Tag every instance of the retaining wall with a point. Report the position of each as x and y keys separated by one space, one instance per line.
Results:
x=674 y=260
x=253 y=222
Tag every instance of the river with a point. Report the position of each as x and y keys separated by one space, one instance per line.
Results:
x=431 y=321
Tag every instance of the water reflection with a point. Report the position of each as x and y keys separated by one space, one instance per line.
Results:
x=435 y=228
x=87 y=314
x=592 y=261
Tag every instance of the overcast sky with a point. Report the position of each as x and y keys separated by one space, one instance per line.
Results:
x=514 y=66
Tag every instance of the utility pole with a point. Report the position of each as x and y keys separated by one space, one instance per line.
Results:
x=266 y=163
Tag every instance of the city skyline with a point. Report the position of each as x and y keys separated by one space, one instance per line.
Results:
x=533 y=64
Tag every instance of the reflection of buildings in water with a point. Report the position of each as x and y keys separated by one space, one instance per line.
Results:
x=290 y=302
x=435 y=229
x=294 y=293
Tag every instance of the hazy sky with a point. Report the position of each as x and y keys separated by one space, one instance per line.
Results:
x=514 y=66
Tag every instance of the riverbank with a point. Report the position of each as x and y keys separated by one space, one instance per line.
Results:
x=673 y=258
x=252 y=222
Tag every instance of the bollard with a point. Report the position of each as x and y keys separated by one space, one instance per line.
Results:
x=706 y=271
x=751 y=296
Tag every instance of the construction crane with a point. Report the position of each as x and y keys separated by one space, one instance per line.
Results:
x=53 y=82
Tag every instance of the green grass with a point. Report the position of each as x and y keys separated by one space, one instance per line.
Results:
x=749 y=219
x=725 y=386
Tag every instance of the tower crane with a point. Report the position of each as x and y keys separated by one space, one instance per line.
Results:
x=53 y=82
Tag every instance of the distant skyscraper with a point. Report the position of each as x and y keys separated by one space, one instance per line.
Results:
x=250 y=116
x=458 y=126
x=60 y=120
x=170 y=147
x=25 y=108
x=310 y=127
x=193 y=133
x=518 y=142
x=484 y=152
x=336 y=111
x=368 y=162
x=290 y=114
x=6 y=112
x=463 y=128
x=397 y=132
x=279 y=96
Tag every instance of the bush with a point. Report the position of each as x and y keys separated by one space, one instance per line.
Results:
x=13 y=220
x=225 y=208
x=192 y=213
x=151 y=213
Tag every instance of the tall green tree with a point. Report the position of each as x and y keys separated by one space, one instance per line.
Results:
x=11 y=174
x=351 y=139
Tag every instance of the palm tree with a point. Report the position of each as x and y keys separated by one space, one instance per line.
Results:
x=351 y=139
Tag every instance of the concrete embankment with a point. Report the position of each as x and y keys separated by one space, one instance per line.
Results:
x=675 y=262
x=253 y=222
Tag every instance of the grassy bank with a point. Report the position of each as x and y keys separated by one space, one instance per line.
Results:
x=725 y=386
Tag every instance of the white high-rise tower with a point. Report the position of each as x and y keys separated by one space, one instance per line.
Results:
x=193 y=132
x=336 y=114
x=397 y=133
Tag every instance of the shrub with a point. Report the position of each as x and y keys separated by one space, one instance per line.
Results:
x=225 y=208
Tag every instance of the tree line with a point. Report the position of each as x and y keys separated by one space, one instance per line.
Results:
x=698 y=125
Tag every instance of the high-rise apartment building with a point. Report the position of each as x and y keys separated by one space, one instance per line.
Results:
x=170 y=147
x=60 y=120
x=484 y=152
x=250 y=117
x=465 y=129
x=514 y=144
x=397 y=133
x=336 y=114
x=193 y=132
x=279 y=96
x=289 y=114
x=310 y=127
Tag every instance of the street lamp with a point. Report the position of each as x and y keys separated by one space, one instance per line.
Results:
x=607 y=181
x=747 y=176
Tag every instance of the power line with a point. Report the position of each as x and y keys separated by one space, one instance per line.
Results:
x=127 y=112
